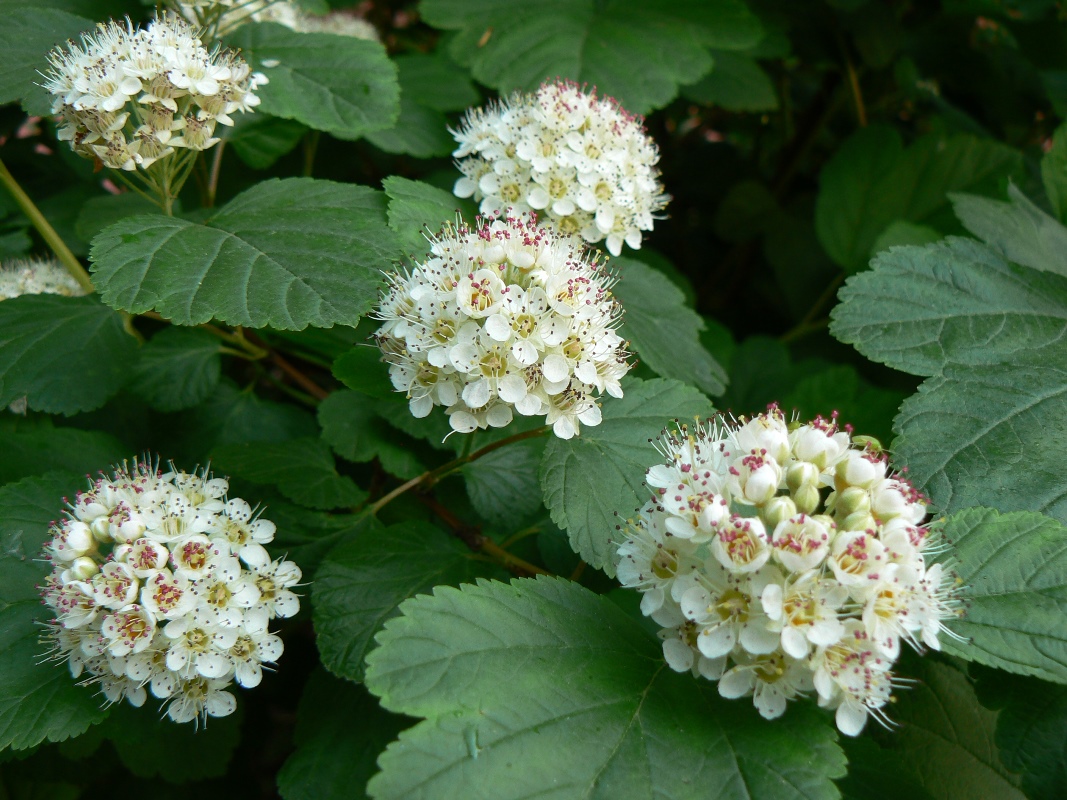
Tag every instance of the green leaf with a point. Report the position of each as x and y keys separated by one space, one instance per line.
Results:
x=178 y=368
x=956 y=301
x=340 y=730
x=361 y=581
x=363 y=370
x=64 y=354
x=429 y=85
x=416 y=209
x=737 y=83
x=302 y=469
x=638 y=51
x=902 y=233
x=502 y=485
x=338 y=84
x=1031 y=730
x=877 y=774
x=587 y=480
x=353 y=429
x=1054 y=173
x=306 y=536
x=991 y=435
x=1020 y=230
x=873 y=181
x=542 y=684
x=662 y=329
x=285 y=253
x=1013 y=569
x=30 y=447
x=38 y=700
x=869 y=409
x=260 y=140
x=151 y=747
x=946 y=737
x=26 y=37
x=98 y=213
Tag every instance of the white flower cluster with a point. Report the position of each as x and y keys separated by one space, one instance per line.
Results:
x=507 y=316
x=782 y=559
x=159 y=581
x=583 y=161
x=228 y=15
x=37 y=276
x=129 y=96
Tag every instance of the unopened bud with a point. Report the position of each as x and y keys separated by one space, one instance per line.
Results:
x=778 y=509
x=801 y=474
x=807 y=499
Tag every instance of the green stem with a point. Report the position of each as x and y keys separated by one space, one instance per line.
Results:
x=48 y=233
x=430 y=477
x=213 y=178
x=311 y=145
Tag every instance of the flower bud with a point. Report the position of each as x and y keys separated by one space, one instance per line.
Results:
x=807 y=499
x=778 y=509
x=802 y=473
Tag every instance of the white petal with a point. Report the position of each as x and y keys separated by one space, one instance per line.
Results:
x=678 y=654
x=736 y=683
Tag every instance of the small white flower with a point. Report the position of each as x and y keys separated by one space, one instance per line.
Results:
x=37 y=276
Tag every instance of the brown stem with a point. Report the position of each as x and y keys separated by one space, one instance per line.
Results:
x=302 y=380
x=472 y=536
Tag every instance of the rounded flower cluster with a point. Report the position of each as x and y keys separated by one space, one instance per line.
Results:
x=129 y=96
x=784 y=559
x=37 y=276
x=504 y=317
x=160 y=582
x=583 y=161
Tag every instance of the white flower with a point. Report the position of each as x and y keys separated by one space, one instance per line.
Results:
x=37 y=276
x=581 y=160
x=149 y=595
x=505 y=318
x=848 y=580
x=125 y=91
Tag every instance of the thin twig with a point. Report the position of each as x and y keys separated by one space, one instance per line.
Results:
x=213 y=178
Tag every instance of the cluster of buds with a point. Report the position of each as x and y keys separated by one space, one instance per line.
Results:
x=159 y=581
x=130 y=96
x=582 y=161
x=783 y=559
x=37 y=276
x=504 y=317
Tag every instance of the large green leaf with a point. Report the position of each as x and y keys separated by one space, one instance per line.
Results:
x=662 y=329
x=636 y=50
x=178 y=368
x=340 y=730
x=64 y=354
x=1019 y=229
x=502 y=485
x=302 y=469
x=38 y=700
x=259 y=139
x=286 y=253
x=591 y=479
x=26 y=36
x=946 y=737
x=1054 y=173
x=1013 y=569
x=872 y=181
x=543 y=688
x=338 y=84
x=31 y=447
x=919 y=308
x=362 y=581
x=990 y=435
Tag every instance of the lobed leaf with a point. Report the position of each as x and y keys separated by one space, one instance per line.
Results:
x=958 y=301
x=542 y=688
x=588 y=480
x=990 y=435
x=64 y=354
x=1013 y=569
x=285 y=253
x=416 y=209
x=662 y=329
x=344 y=86
x=638 y=51
x=31 y=447
x=178 y=368
x=26 y=37
x=737 y=83
x=361 y=582
x=351 y=426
